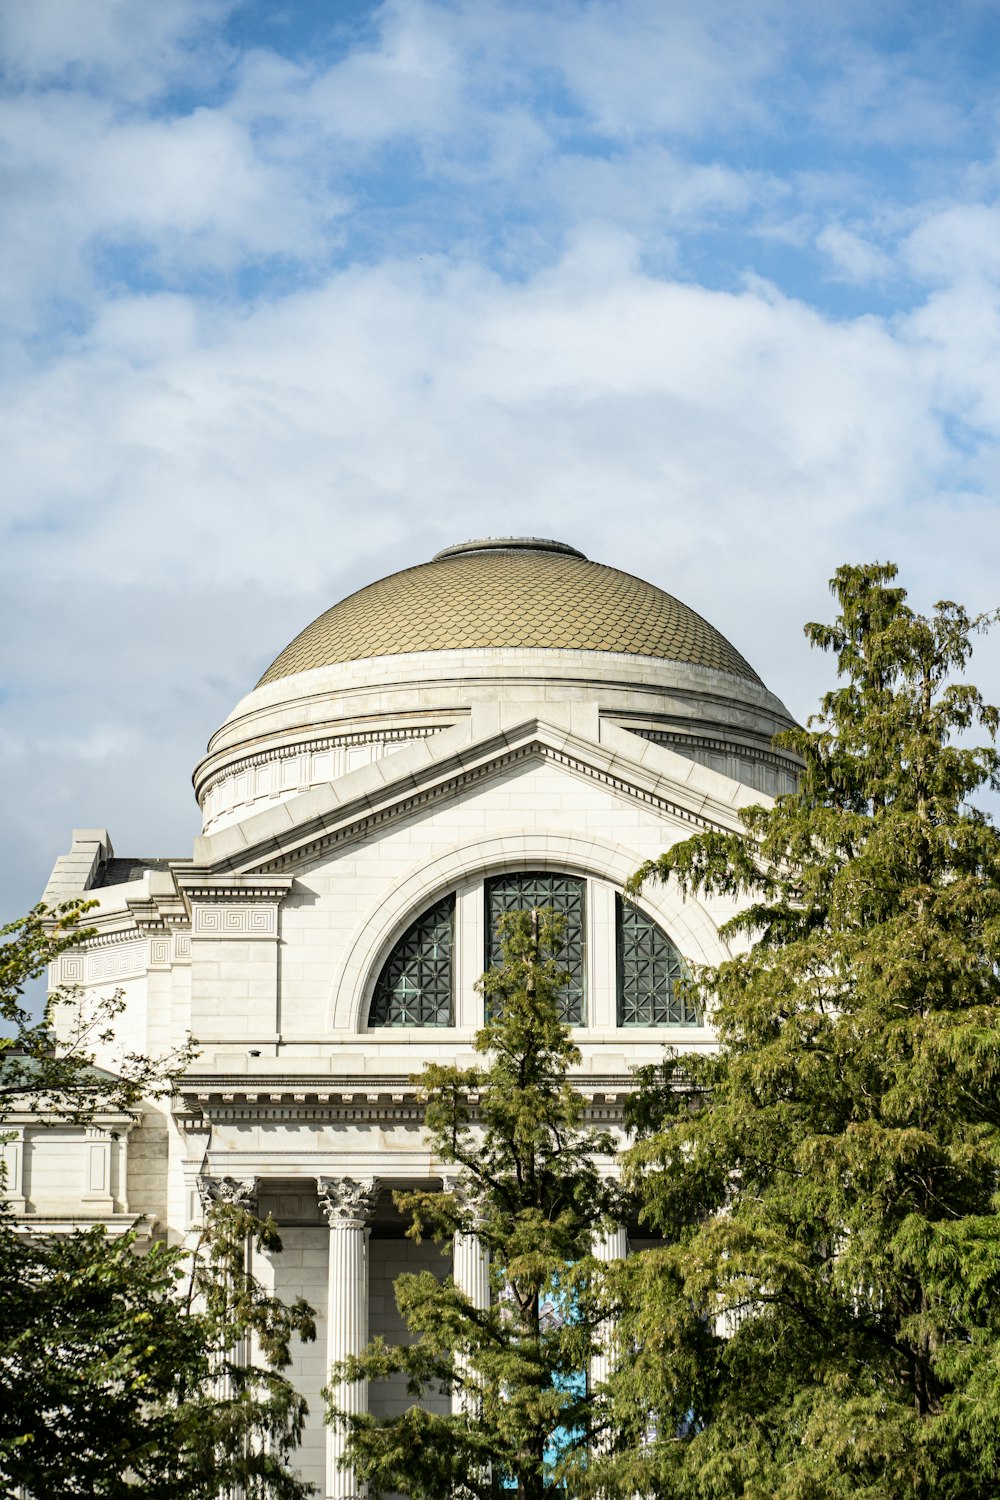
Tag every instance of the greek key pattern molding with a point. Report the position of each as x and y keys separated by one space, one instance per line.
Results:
x=255 y=921
x=117 y=962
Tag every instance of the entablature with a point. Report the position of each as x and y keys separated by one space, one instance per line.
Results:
x=201 y=1101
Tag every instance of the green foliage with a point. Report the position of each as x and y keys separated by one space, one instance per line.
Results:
x=47 y=1065
x=530 y=1190
x=121 y=1373
x=827 y=1185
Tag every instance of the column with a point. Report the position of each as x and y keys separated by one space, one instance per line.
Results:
x=471 y=1273
x=119 y=1161
x=470 y=1270
x=240 y=1192
x=348 y=1206
x=610 y=1245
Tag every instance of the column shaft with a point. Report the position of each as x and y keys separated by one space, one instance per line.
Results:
x=471 y=1272
x=348 y=1206
x=347 y=1333
x=240 y=1193
x=612 y=1245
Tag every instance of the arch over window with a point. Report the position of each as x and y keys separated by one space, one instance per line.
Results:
x=564 y=894
x=415 y=986
x=649 y=967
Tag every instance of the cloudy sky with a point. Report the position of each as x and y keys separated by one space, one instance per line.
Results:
x=294 y=294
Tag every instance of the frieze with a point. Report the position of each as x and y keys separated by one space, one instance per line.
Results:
x=392 y=737
x=159 y=952
x=118 y=961
x=107 y=956
x=257 y=920
x=70 y=969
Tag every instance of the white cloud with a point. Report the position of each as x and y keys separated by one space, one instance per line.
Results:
x=854 y=257
x=411 y=82
x=665 y=65
x=180 y=196
x=960 y=241
x=132 y=47
x=208 y=483
x=397 y=408
x=190 y=475
x=648 y=189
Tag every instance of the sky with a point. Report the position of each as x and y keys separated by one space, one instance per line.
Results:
x=295 y=294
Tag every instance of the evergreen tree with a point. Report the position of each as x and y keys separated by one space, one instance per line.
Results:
x=532 y=1193
x=823 y=1319
x=125 y=1373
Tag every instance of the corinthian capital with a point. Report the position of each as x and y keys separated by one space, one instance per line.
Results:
x=467 y=1192
x=241 y=1191
x=347 y=1200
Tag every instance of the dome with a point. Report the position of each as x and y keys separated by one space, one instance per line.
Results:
x=514 y=592
x=493 y=632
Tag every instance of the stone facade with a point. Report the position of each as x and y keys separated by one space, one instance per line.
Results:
x=340 y=804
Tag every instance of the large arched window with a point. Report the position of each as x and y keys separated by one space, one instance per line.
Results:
x=418 y=982
x=565 y=894
x=649 y=967
x=415 y=986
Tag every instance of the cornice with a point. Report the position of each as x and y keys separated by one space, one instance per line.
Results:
x=220 y=1099
x=114 y=1224
x=458 y=771
x=122 y=1122
x=159 y=913
x=229 y=888
x=125 y=930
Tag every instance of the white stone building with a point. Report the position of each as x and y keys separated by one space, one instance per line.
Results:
x=507 y=725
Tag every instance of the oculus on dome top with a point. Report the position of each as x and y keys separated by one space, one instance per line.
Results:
x=514 y=593
x=509 y=544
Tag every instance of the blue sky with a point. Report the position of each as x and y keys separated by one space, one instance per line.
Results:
x=293 y=294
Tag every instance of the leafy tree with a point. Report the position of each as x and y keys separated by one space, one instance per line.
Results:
x=125 y=1373
x=47 y=1064
x=824 y=1317
x=533 y=1195
x=120 y=1373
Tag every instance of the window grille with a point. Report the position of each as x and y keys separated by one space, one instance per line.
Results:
x=415 y=985
x=564 y=894
x=649 y=967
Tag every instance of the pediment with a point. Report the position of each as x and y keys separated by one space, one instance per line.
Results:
x=324 y=819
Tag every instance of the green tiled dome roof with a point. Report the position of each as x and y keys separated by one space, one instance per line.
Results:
x=513 y=592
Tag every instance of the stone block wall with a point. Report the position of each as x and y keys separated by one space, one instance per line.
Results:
x=388 y=1259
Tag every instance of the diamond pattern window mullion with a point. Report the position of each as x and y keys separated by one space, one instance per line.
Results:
x=564 y=894
x=649 y=967
x=415 y=985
